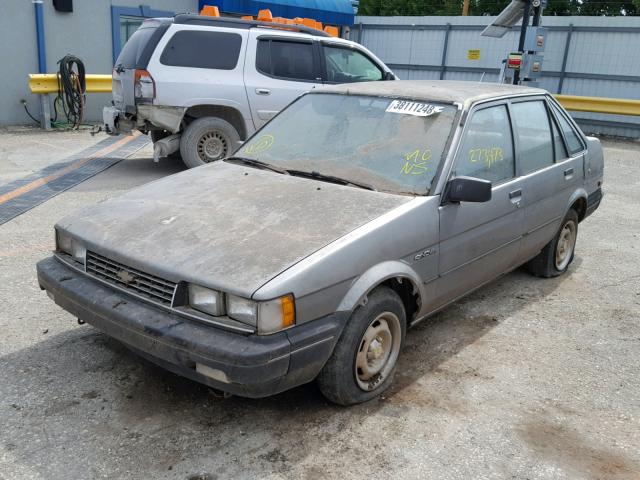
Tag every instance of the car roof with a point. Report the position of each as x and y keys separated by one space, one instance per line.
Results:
x=447 y=91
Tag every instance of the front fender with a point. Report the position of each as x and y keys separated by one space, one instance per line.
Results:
x=374 y=277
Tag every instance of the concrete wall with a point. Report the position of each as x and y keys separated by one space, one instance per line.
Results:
x=603 y=58
x=85 y=33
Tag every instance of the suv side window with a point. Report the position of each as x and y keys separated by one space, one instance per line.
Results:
x=198 y=49
x=574 y=144
x=345 y=65
x=535 y=150
x=289 y=60
x=487 y=149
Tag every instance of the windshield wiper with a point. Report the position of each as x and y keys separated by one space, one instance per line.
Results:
x=329 y=178
x=255 y=163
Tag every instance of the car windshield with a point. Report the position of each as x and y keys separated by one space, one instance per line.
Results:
x=387 y=144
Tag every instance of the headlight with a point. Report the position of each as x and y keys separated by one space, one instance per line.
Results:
x=67 y=244
x=268 y=317
x=206 y=300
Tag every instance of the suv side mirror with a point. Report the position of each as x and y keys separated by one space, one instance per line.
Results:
x=468 y=189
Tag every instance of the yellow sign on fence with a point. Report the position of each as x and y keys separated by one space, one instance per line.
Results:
x=473 y=54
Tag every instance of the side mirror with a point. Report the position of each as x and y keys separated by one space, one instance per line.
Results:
x=468 y=189
x=388 y=76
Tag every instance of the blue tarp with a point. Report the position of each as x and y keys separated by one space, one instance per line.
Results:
x=332 y=12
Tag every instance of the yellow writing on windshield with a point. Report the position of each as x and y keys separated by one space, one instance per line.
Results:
x=488 y=156
x=261 y=144
x=416 y=162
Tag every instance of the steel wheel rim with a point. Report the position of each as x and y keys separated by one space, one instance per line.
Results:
x=378 y=351
x=566 y=244
x=212 y=146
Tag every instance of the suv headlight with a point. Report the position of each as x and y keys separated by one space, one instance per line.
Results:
x=67 y=244
x=269 y=317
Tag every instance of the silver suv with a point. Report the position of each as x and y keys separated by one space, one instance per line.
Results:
x=355 y=213
x=203 y=84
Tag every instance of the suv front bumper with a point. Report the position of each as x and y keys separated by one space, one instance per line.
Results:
x=246 y=365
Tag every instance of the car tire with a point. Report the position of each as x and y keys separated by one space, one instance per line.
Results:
x=364 y=360
x=557 y=255
x=206 y=140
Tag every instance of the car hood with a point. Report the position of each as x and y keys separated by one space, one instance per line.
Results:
x=225 y=226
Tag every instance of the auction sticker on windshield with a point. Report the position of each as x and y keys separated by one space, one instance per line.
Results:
x=413 y=108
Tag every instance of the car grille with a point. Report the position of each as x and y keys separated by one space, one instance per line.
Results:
x=127 y=278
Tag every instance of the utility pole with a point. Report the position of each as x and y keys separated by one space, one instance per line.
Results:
x=523 y=35
x=465 y=8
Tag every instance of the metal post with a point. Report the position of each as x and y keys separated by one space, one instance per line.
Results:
x=523 y=34
x=567 y=45
x=45 y=109
x=360 y=28
x=443 y=63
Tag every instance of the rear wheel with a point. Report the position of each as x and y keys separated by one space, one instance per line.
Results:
x=206 y=140
x=364 y=360
x=557 y=255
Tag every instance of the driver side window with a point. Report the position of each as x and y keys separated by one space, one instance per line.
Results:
x=486 y=151
x=344 y=65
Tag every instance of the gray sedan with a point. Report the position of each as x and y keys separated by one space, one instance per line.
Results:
x=355 y=213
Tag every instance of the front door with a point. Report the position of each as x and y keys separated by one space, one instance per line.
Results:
x=277 y=71
x=480 y=241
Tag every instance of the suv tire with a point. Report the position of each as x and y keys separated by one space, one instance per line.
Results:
x=364 y=360
x=206 y=140
x=557 y=255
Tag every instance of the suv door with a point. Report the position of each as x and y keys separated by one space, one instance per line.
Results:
x=480 y=241
x=277 y=70
x=550 y=173
x=345 y=64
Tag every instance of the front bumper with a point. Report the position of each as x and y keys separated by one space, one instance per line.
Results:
x=246 y=365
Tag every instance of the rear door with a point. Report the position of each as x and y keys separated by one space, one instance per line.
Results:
x=550 y=171
x=480 y=241
x=277 y=70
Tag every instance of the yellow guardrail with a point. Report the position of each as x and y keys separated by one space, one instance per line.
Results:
x=618 y=106
x=48 y=83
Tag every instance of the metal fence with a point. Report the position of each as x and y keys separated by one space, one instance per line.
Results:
x=592 y=56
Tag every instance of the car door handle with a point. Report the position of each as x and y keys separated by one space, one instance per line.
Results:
x=568 y=173
x=263 y=91
x=515 y=194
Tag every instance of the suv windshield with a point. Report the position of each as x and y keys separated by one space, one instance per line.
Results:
x=390 y=145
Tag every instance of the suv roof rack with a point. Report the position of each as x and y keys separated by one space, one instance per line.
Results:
x=246 y=24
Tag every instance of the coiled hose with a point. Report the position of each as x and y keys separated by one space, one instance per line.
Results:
x=72 y=87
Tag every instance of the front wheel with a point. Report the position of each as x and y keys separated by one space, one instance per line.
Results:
x=364 y=360
x=206 y=140
x=557 y=255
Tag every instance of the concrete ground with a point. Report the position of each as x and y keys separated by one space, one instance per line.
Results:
x=525 y=379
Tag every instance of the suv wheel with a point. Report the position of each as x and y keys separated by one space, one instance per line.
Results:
x=206 y=140
x=557 y=255
x=363 y=362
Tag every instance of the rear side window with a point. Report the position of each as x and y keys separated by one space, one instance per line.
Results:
x=574 y=145
x=535 y=150
x=560 y=149
x=487 y=149
x=291 y=60
x=345 y=65
x=198 y=49
x=132 y=51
